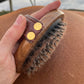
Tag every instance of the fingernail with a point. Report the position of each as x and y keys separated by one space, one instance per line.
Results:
x=19 y=20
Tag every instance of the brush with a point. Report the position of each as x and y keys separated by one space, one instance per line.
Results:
x=31 y=56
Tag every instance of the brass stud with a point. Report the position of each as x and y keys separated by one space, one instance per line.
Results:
x=31 y=36
x=37 y=26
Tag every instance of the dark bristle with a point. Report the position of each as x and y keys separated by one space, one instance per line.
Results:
x=39 y=45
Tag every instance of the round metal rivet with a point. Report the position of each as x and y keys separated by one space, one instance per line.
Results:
x=31 y=36
x=37 y=26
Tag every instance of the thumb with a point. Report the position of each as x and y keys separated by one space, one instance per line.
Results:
x=14 y=33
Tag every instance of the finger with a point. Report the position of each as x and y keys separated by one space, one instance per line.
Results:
x=14 y=32
x=46 y=9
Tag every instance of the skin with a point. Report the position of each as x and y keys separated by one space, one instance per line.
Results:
x=8 y=44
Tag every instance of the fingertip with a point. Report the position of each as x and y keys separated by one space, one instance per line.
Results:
x=56 y=4
x=59 y=2
x=52 y=6
x=20 y=19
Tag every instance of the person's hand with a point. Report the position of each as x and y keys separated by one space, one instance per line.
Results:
x=8 y=43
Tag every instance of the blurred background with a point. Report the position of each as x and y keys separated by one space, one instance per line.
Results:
x=11 y=5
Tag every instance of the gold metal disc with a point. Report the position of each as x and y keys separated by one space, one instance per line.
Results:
x=37 y=26
x=31 y=36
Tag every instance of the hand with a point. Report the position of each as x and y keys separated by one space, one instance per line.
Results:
x=9 y=41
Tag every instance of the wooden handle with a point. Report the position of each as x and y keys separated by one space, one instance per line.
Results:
x=25 y=47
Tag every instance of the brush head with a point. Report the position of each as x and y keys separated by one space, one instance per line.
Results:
x=43 y=46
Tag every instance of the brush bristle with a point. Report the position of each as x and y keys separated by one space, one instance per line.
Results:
x=44 y=48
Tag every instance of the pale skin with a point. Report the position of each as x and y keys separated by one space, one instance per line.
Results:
x=9 y=41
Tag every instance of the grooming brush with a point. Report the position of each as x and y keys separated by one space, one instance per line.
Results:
x=40 y=40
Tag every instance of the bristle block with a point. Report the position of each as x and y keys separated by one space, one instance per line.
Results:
x=46 y=46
